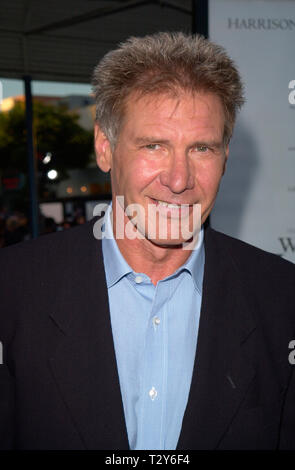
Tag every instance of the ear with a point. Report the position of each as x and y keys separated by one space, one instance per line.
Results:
x=102 y=149
x=226 y=152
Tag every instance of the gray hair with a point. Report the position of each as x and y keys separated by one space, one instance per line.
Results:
x=159 y=63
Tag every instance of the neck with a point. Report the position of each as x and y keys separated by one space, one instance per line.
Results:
x=157 y=262
x=142 y=255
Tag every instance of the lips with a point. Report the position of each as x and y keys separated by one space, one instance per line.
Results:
x=166 y=204
x=171 y=205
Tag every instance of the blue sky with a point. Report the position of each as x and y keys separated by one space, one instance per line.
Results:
x=12 y=87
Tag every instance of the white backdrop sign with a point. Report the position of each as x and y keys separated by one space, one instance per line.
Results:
x=256 y=202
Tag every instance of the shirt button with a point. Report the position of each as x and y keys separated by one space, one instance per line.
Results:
x=156 y=321
x=138 y=279
x=153 y=393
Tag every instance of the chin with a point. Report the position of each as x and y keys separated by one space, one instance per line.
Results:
x=169 y=242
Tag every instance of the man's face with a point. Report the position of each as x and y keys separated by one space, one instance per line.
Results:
x=170 y=149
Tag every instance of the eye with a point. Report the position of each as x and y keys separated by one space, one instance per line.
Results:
x=201 y=148
x=152 y=146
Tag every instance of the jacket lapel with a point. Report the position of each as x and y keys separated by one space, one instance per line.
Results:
x=84 y=362
x=222 y=374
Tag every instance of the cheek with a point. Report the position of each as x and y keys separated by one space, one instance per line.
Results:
x=143 y=171
x=133 y=175
x=208 y=176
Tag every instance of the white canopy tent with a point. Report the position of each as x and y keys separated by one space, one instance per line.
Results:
x=62 y=40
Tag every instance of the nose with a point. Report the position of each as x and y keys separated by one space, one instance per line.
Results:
x=178 y=177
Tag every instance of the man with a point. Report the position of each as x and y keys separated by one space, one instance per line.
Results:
x=162 y=335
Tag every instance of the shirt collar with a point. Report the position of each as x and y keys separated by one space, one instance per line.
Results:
x=116 y=267
x=195 y=263
x=115 y=264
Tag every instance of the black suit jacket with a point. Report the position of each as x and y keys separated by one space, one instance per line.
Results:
x=59 y=386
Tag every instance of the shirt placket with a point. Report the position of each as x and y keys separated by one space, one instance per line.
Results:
x=154 y=374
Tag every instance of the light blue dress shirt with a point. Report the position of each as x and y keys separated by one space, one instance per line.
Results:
x=155 y=332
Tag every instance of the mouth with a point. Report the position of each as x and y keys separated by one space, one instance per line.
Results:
x=172 y=210
x=179 y=218
x=169 y=205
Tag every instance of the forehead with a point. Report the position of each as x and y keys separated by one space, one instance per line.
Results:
x=185 y=109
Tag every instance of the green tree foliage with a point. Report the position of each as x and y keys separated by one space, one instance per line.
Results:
x=13 y=139
x=56 y=130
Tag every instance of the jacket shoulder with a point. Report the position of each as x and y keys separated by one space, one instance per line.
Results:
x=32 y=272
x=251 y=259
x=48 y=249
x=266 y=280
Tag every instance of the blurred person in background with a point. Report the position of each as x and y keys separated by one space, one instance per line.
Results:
x=2 y=229
x=49 y=225
x=16 y=229
x=79 y=220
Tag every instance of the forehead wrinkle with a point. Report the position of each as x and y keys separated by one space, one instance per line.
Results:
x=174 y=110
x=198 y=118
x=167 y=128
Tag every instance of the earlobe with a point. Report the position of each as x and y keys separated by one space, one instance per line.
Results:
x=102 y=149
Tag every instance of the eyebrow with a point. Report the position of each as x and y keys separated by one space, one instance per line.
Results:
x=150 y=140
x=208 y=143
